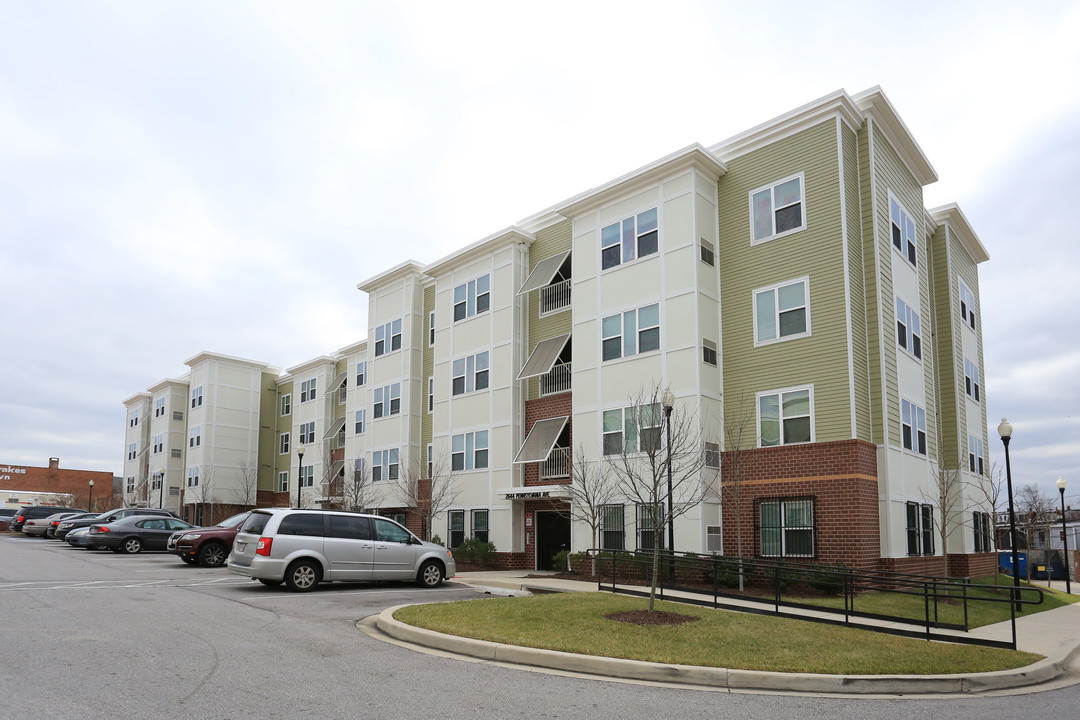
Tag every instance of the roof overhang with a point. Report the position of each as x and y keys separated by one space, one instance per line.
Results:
x=875 y=104
x=394 y=274
x=508 y=236
x=954 y=217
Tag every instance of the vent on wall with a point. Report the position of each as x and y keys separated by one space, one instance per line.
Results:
x=714 y=539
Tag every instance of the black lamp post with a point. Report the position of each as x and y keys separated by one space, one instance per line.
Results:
x=668 y=401
x=161 y=489
x=1064 y=532
x=91 y=503
x=299 y=470
x=1005 y=431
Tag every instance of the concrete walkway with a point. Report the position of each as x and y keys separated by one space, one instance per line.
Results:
x=1054 y=634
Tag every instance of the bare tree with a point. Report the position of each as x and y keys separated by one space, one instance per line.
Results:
x=740 y=436
x=1032 y=510
x=644 y=465
x=206 y=490
x=357 y=491
x=947 y=491
x=987 y=490
x=427 y=496
x=592 y=487
x=248 y=491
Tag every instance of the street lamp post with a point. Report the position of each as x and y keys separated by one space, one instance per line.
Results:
x=1064 y=532
x=1005 y=431
x=668 y=401
x=161 y=489
x=299 y=470
x=91 y=503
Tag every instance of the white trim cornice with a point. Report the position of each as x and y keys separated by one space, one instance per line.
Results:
x=398 y=272
x=876 y=104
x=512 y=235
x=954 y=217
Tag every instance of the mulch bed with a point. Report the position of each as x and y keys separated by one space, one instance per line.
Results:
x=653 y=617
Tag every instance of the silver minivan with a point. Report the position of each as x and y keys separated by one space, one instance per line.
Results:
x=305 y=547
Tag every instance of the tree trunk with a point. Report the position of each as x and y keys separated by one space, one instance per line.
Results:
x=655 y=571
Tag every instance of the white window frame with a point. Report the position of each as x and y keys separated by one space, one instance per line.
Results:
x=904 y=222
x=469 y=296
x=386 y=401
x=774 y=290
x=193 y=476
x=975 y=455
x=630 y=423
x=620 y=333
x=133 y=450
x=431 y=393
x=908 y=329
x=159 y=407
x=283 y=481
x=159 y=443
x=361 y=373
x=307 y=433
x=385 y=465
x=473 y=450
x=913 y=417
x=972 y=381
x=308 y=390
x=967 y=304
x=286 y=404
x=780 y=393
x=431 y=329
x=360 y=422
x=284 y=443
x=388 y=334
x=197 y=397
x=130 y=485
x=195 y=436
x=307 y=476
x=474 y=378
x=430 y=459
x=627 y=239
x=773 y=209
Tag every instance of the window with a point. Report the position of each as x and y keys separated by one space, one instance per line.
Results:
x=175 y=453
x=470 y=374
x=920 y=529
x=283 y=443
x=430 y=460
x=981 y=524
x=633 y=429
x=469 y=451
x=283 y=481
x=975 y=455
x=431 y=329
x=631 y=332
x=787 y=528
x=785 y=417
x=387 y=401
x=307 y=476
x=196 y=397
x=472 y=298
x=648 y=520
x=193 y=477
x=634 y=237
x=708 y=254
x=431 y=394
x=286 y=404
x=133 y=418
x=132 y=451
x=155 y=482
x=903 y=230
x=971 y=380
x=307 y=390
x=913 y=427
x=343 y=392
x=388 y=337
x=777 y=209
x=159 y=443
x=384 y=465
x=708 y=352
x=480 y=525
x=361 y=421
x=782 y=312
x=130 y=485
x=612 y=527
x=178 y=415
x=967 y=305
x=712 y=455
x=456 y=528
x=159 y=407
x=195 y=437
x=908 y=328
x=714 y=538
x=307 y=433
x=361 y=373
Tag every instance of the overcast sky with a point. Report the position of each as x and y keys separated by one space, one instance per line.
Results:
x=187 y=176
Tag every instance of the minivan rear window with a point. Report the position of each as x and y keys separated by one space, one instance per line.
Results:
x=255 y=523
x=301 y=524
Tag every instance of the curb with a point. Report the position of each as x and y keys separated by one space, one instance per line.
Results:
x=724 y=678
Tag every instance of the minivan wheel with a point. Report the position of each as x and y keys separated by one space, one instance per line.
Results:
x=212 y=555
x=302 y=575
x=430 y=575
x=132 y=545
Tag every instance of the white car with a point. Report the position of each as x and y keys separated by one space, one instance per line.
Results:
x=38 y=526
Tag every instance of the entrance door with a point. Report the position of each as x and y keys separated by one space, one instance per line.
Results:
x=552 y=536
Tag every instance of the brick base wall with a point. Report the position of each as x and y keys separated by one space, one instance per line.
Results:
x=974 y=565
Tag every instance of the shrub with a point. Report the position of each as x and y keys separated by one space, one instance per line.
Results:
x=830 y=579
x=436 y=539
x=558 y=561
x=475 y=551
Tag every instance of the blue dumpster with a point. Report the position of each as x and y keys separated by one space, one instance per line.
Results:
x=1005 y=562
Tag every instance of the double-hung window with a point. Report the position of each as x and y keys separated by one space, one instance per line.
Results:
x=286 y=404
x=777 y=209
x=307 y=390
x=913 y=427
x=307 y=433
x=787 y=528
x=193 y=477
x=975 y=455
x=967 y=305
x=634 y=237
x=384 y=465
x=361 y=421
x=908 y=328
x=469 y=451
x=631 y=333
x=785 y=416
x=431 y=394
x=903 y=230
x=472 y=298
x=633 y=429
x=132 y=451
x=307 y=476
x=283 y=443
x=613 y=527
x=159 y=443
x=387 y=401
x=361 y=373
x=196 y=397
x=470 y=374
x=920 y=529
x=133 y=418
x=283 y=481
x=130 y=485
x=388 y=337
x=159 y=407
x=971 y=380
x=782 y=312
x=195 y=437
x=431 y=329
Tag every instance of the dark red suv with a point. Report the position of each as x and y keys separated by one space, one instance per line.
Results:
x=207 y=546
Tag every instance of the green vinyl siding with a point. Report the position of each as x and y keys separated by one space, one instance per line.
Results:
x=857 y=291
x=428 y=369
x=871 y=249
x=817 y=251
x=269 y=407
x=339 y=408
x=947 y=344
x=284 y=424
x=550 y=241
x=962 y=266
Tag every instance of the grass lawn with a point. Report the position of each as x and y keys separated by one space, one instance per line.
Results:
x=576 y=623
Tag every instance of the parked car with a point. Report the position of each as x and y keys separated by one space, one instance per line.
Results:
x=136 y=533
x=36 y=527
x=305 y=547
x=6 y=516
x=36 y=512
x=54 y=524
x=79 y=537
x=117 y=513
x=207 y=546
x=70 y=523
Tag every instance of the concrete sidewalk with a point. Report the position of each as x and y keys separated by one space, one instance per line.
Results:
x=1054 y=634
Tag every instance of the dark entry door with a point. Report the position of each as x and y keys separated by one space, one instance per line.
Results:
x=552 y=536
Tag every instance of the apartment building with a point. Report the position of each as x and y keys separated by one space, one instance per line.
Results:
x=819 y=325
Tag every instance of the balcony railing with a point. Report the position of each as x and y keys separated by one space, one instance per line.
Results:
x=555 y=380
x=557 y=465
x=554 y=297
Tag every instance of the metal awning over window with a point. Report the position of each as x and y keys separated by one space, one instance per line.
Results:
x=543 y=356
x=543 y=273
x=336 y=382
x=541 y=439
x=336 y=468
x=334 y=429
